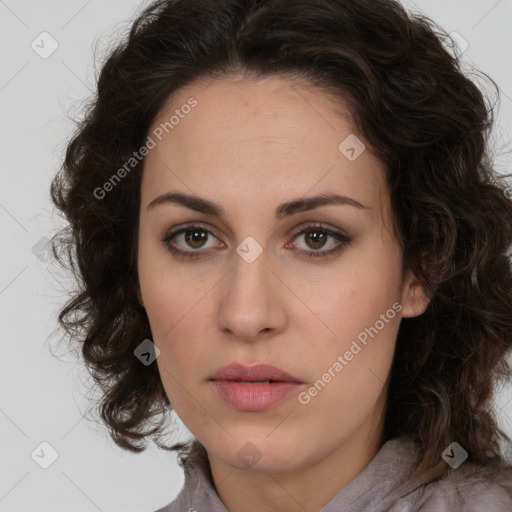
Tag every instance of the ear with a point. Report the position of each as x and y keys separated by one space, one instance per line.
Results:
x=415 y=299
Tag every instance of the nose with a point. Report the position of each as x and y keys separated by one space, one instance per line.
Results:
x=252 y=300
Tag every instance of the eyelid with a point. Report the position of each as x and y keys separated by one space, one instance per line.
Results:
x=319 y=225
x=190 y=225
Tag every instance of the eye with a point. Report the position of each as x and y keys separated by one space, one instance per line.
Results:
x=191 y=236
x=317 y=237
x=196 y=237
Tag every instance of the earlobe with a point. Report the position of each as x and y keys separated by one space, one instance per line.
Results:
x=415 y=298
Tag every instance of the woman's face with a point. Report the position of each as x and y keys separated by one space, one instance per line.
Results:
x=250 y=292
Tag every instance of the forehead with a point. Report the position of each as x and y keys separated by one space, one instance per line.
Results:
x=269 y=109
x=270 y=137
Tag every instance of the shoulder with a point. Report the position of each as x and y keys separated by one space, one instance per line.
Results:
x=181 y=503
x=167 y=508
x=197 y=493
x=470 y=488
x=177 y=505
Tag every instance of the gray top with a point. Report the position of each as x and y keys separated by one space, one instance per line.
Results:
x=383 y=486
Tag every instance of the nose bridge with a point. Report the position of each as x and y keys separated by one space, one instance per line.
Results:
x=250 y=265
x=249 y=304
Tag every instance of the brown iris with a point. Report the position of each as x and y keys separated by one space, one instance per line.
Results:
x=318 y=238
x=195 y=236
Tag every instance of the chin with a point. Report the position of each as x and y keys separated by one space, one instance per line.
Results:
x=256 y=453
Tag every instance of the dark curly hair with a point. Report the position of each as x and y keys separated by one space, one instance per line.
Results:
x=418 y=113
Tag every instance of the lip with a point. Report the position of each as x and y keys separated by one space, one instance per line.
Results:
x=235 y=384
x=255 y=373
x=253 y=397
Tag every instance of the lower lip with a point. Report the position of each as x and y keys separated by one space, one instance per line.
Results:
x=254 y=397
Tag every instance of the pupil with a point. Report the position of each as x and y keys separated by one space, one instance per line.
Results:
x=318 y=238
x=195 y=237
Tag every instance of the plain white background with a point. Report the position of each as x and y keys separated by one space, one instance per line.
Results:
x=43 y=398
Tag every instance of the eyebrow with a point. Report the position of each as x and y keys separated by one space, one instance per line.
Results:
x=284 y=210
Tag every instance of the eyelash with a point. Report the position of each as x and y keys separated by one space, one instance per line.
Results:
x=193 y=255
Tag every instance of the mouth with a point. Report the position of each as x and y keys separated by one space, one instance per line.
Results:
x=253 y=388
x=253 y=396
x=260 y=373
x=269 y=381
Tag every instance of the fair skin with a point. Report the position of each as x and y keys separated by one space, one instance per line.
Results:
x=249 y=147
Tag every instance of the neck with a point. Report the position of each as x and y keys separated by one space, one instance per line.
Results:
x=307 y=487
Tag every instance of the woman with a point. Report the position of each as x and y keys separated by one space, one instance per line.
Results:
x=289 y=230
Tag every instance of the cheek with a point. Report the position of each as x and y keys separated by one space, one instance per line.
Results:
x=351 y=367
x=360 y=313
x=363 y=331
x=361 y=292
x=169 y=294
x=162 y=306
x=177 y=309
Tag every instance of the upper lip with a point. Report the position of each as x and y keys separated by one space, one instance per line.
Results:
x=256 y=373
